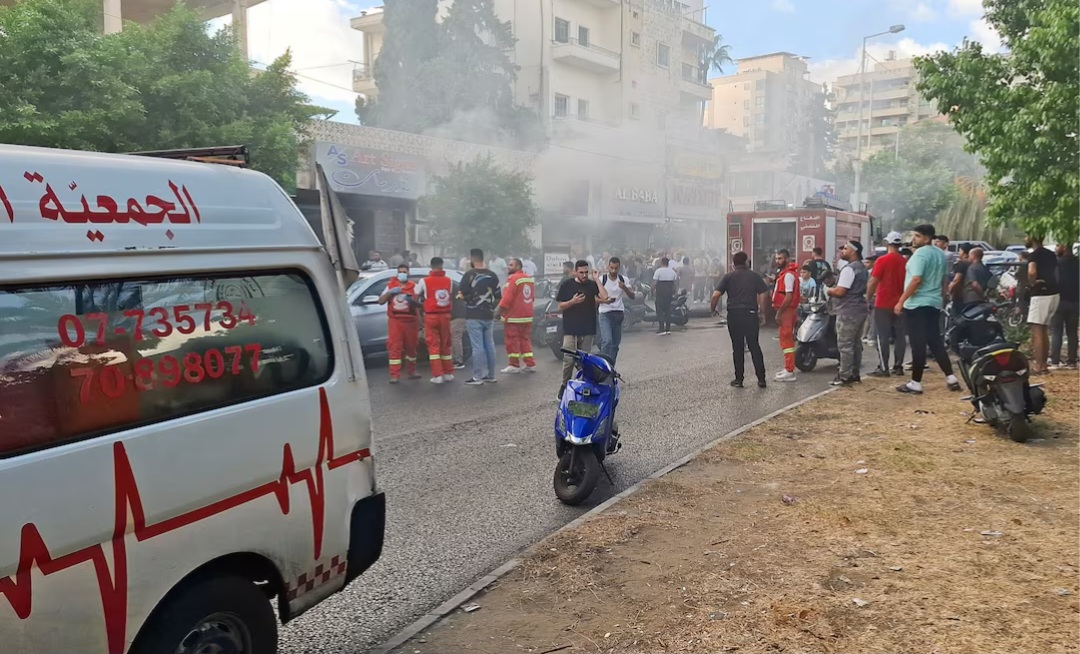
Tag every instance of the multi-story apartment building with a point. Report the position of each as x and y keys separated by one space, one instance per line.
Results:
x=619 y=87
x=889 y=101
x=770 y=102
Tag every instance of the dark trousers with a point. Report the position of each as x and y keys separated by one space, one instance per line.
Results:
x=890 y=329
x=923 y=327
x=743 y=327
x=663 y=314
x=1064 y=320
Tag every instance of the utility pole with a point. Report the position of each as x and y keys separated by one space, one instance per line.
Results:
x=895 y=29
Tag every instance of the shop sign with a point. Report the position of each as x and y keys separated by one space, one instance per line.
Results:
x=363 y=171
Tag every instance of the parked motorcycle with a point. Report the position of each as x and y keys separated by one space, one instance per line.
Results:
x=995 y=371
x=680 y=313
x=586 y=431
x=816 y=336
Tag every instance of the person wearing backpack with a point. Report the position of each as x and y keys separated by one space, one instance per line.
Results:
x=613 y=310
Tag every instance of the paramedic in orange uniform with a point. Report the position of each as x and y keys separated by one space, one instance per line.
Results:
x=786 y=303
x=436 y=292
x=403 y=328
x=516 y=311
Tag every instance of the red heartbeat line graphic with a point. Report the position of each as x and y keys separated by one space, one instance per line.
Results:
x=113 y=584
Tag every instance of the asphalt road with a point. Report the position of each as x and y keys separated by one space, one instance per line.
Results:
x=468 y=470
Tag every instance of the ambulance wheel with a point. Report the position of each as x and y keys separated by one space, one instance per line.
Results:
x=805 y=357
x=226 y=615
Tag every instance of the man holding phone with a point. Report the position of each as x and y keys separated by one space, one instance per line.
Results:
x=578 y=298
x=613 y=310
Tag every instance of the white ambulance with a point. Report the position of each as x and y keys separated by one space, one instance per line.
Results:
x=185 y=442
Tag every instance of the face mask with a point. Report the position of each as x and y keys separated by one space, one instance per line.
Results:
x=402 y=277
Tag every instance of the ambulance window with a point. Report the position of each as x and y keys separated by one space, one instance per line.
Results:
x=82 y=359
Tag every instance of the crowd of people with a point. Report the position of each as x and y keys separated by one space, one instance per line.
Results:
x=893 y=301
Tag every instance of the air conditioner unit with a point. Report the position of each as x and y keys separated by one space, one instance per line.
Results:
x=422 y=234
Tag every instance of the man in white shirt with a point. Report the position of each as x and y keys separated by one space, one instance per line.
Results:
x=613 y=310
x=501 y=269
x=664 y=280
x=528 y=267
x=375 y=262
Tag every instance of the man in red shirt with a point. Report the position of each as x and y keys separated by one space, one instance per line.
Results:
x=885 y=288
x=786 y=302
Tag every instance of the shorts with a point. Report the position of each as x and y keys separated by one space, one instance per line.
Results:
x=1042 y=308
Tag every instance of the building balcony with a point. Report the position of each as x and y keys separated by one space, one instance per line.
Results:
x=571 y=127
x=363 y=81
x=586 y=56
x=695 y=33
x=602 y=4
x=692 y=86
x=369 y=21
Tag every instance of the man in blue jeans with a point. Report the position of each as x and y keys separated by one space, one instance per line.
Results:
x=480 y=290
x=613 y=310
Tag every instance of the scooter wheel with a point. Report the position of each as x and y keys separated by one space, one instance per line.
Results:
x=576 y=475
x=805 y=358
x=1019 y=429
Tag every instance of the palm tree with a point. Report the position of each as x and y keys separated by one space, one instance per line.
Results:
x=714 y=57
x=965 y=217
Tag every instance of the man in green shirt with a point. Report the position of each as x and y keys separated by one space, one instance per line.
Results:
x=924 y=292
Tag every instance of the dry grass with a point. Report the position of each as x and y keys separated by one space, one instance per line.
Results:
x=710 y=559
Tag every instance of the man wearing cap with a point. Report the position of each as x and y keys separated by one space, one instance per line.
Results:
x=920 y=304
x=885 y=288
x=849 y=296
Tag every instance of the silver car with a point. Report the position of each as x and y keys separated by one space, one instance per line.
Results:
x=370 y=317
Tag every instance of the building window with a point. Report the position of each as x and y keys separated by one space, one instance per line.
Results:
x=635 y=111
x=663 y=55
x=583 y=36
x=583 y=109
x=562 y=105
x=746 y=121
x=635 y=39
x=562 y=31
x=687 y=71
x=759 y=84
x=759 y=101
x=745 y=104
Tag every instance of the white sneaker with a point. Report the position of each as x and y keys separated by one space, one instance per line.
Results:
x=448 y=378
x=529 y=369
x=780 y=374
x=786 y=376
x=510 y=370
x=436 y=380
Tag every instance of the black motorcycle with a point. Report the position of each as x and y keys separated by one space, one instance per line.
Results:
x=995 y=371
x=680 y=313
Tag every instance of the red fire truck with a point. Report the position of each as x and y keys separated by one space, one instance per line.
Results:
x=773 y=226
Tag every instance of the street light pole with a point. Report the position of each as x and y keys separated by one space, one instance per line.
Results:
x=895 y=29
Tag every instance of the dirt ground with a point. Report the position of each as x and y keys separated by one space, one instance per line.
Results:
x=864 y=521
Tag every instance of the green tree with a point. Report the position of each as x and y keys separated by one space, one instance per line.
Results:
x=966 y=216
x=1018 y=110
x=449 y=73
x=714 y=57
x=817 y=142
x=170 y=84
x=478 y=204
x=411 y=40
x=915 y=183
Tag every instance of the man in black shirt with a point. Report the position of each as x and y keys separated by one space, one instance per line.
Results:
x=819 y=267
x=1043 y=280
x=747 y=294
x=578 y=298
x=481 y=291
x=1066 y=318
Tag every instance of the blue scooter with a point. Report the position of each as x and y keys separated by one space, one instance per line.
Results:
x=585 y=427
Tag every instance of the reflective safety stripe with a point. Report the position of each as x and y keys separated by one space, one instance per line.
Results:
x=395 y=362
x=789 y=350
x=519 y=321
x=527 y=355
x=448 y=357
x=514 y=356
x=435 y=357
x=410 y=358
x=524 y=280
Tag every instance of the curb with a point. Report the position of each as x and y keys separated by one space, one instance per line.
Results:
x=439 y=612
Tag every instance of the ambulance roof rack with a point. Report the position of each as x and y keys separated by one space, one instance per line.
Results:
x=228 y=155
x=770 y=205
x=822 y=201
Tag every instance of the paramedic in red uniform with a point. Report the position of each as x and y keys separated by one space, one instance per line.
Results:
x=786 y=302
x=403 y=330
x=436 y=291
x=516 y=311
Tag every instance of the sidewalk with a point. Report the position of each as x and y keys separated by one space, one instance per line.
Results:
x=864 y=521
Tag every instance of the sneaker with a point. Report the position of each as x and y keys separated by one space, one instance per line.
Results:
x=473 y=381
x=529 y=369
x=878 y=372
x=761 y=383
x=510 y=370
x=953 y=383
x=839 y=381
x=786 y=377
x=736 y=383
x=908 y=388
x=448 y=378
x=780 y=374
x=394 y=380
x=436 y=380
x=898 y=370
x=459 y=365
x=415 y=375
x=667 y=333
x=490 y=380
